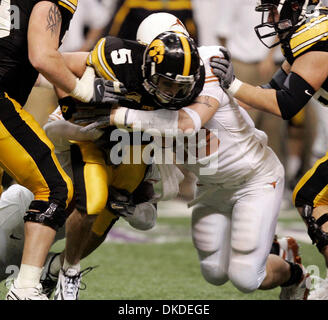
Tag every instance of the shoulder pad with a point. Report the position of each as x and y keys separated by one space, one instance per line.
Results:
x=309 y=34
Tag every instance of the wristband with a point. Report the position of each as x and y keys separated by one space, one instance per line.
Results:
x=194 y=117
x=84 y=88
x=120 y=117
x=234 y=87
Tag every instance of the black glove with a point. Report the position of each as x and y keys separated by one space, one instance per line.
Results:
x=107 y=92
x=223 y=69
x=67 y=107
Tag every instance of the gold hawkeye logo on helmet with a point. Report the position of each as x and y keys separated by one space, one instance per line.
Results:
x=157 y=50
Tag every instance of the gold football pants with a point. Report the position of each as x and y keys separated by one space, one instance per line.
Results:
x=92 y=177
x=27 y=155
x=312 y=189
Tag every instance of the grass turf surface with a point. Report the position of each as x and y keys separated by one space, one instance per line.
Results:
x=156 y=270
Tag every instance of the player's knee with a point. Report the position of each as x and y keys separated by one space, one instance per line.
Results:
x=213 y=273
x=50 y=214
x=244 y=276
x=213 y=270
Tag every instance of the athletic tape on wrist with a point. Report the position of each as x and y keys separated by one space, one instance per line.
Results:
x=194 y=117
x=84 y=87
x=234 y=87
x=120 y=117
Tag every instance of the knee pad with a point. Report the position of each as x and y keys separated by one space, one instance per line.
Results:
x=212 y=270
x=205 y=233
x=245 y=276
x=47 y=213
x=317 y=235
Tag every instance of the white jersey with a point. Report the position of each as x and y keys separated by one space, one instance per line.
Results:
x=241 y=150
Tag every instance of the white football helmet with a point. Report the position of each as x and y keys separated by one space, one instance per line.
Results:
x=157 y=23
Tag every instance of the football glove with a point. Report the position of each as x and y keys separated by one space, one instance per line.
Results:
x=223 y=69
x=93 y=90
x=107 y=92
x=67 y=107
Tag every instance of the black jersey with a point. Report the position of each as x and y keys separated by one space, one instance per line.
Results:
x=121 y=60
x=310 y=36
x=17 y=75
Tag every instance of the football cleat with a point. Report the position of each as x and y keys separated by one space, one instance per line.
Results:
x=34 y=293
x=298 y=291
x=69 y=284
x=49 y=280
x=320 y=292
x=289 y=251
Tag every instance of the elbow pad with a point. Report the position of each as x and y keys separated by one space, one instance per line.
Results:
x=277 y=80
x=293 y=96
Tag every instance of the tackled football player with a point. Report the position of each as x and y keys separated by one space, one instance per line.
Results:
x=302 y=27
x=96 y=179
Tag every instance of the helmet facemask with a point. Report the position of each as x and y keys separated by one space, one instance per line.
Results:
x=279 y=19
x=169 y=92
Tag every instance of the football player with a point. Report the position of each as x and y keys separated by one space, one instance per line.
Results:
x=27 y=155
x=238 y=199
x=15 y=200
x=302 y=27
x=120 y=61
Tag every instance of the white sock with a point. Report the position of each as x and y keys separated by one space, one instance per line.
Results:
x=67 y=265
x=28 y=276
x=55 y=265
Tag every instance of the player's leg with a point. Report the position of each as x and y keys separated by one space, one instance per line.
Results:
x=211 y=238
x=311 y=199
x=14 y=202
x=28 y=156
x=254 y=221
x=91 y=192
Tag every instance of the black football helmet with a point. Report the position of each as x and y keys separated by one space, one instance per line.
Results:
x=171 y=68
x=281 y=18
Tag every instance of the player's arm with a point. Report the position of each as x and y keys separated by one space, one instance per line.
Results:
x=43 y=41
x=188 y=119
x=306 y=76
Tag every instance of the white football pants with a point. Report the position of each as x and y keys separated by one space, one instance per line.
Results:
x=233 y=231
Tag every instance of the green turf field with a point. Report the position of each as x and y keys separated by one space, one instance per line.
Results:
x=160 y=264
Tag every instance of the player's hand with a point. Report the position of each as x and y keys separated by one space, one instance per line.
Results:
x=107 y=92
x=98 y=91
x=223 y=69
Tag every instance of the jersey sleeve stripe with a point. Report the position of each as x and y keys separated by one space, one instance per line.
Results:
x=304 y=46
x=68 y=5
x=214 y=80
x=96 y=60
x=309 y=35
x=103 y=61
